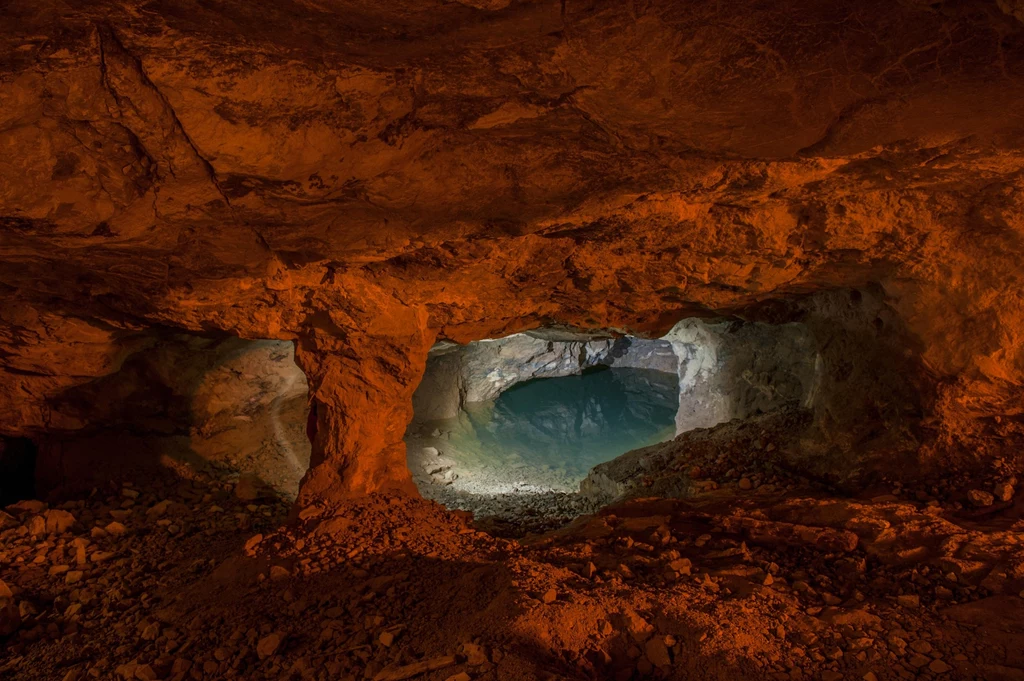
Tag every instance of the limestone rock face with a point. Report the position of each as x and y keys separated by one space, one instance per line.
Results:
x=460 y=375
x=733 y=371
x=227 y=403
x=366 y=178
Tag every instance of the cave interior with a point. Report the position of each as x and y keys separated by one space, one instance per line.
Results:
x=511 y=340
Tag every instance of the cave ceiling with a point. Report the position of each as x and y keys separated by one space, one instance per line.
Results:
x=367 y=177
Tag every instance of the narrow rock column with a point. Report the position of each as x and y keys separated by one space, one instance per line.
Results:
x=361 y=385
x=701 y=404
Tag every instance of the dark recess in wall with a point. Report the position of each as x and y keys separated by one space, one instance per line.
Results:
x=17 y=469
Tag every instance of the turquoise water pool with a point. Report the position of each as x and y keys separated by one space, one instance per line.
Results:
x=567 y=425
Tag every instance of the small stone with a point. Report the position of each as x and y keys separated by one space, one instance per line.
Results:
x=386 y=639
x=26 y=506
x=870 y=676
x=59 y=570
x=1003 y=491
x=151 y=632
x=115 y=528
x=908 y=601
x=681 y=566
x=278 y=572
x=639 y=628
x=921 y=646
x=144 y=672
x=268 y=645
x=657 y=652
x=58 y=522
x=127 y=671
x=36 y=526
x=475 y=654
x=917 y=660
x=589 y=570
x=550 y=596
x=73 y=577
x=938 y=667
x=252 y=543
x=461 y=676
x=979 y=498
x=80 y=545
x=5 y=591
x=309 y=512
x=158 y=510
x=745 y=483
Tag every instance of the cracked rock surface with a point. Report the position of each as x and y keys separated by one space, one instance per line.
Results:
x=361 y=180
x=364 y=179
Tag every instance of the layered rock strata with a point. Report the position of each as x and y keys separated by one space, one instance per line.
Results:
x=367 y=180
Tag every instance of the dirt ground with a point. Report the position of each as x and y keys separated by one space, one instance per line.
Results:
x=180 y=579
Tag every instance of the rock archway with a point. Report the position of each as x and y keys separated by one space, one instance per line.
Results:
x=147 y=192
x=819 y=204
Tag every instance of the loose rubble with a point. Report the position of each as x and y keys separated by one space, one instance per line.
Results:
x=194 y=583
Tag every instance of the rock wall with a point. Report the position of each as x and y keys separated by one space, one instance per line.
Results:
x=733 y=370
x=479 y=372
x=227 y=405
x=364 y=180
x=830 y=383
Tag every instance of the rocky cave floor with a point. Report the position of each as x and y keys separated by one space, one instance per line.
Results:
x=758 y=576
x=495 y=494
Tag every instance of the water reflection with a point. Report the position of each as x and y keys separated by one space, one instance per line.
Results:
x=568 y=425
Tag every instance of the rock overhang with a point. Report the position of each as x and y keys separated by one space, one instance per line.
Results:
x=364 y=191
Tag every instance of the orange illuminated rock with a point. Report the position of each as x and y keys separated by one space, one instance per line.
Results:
x=367 y=178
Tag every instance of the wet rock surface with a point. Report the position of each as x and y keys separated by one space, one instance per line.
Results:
x=540 y=437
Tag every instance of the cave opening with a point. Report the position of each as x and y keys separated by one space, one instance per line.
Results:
x=523 y=426
x=555 y=430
